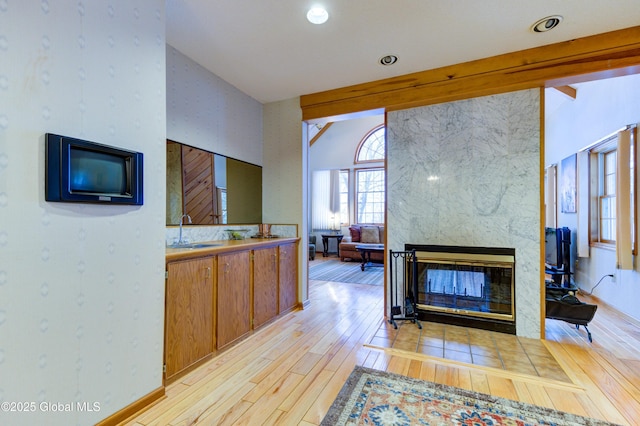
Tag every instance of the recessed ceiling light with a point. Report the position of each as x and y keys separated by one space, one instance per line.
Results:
x=546 y=24
x=388 y=60
x=317 y=15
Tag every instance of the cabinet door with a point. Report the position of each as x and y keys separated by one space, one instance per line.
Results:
x=233 y=297
x=189 y=313
x=265 y=285
x=288 y=277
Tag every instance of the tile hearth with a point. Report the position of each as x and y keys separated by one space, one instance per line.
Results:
x=473 y=346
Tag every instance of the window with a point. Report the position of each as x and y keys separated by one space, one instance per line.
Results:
x=611 y=175
x=325 y=200
x=602 y=158
x=370 y=195
x=221 y=214
x=361 y=191
x=372 y=147
x=607 y=197
x=370 y=182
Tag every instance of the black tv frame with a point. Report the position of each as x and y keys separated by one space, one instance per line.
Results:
x=58 y=172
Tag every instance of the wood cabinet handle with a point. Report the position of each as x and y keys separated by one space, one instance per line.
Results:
x=208 y=273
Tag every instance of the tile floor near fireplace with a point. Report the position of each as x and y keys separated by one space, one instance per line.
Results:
x=473 y=346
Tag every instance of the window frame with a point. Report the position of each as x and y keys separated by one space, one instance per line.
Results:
x=365 y=140
x=357 y=172
x=597 y=191
x=607 y=195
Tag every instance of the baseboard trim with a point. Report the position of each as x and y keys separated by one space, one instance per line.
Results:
x=134 y=408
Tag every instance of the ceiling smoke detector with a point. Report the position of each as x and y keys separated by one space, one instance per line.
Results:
x=388 y=60
x=546 y=24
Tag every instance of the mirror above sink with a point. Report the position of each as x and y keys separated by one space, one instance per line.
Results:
x=211 y=188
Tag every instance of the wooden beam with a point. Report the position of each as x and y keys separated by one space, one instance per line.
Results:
x=601 y=56
x=567 y=90
x=317 y=136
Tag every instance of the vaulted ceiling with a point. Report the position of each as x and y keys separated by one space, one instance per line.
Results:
x=268 y=50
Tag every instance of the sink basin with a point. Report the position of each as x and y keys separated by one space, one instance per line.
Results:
x=193 y=245
x=203 y=245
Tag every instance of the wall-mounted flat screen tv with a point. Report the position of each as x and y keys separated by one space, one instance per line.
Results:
x=80 y=171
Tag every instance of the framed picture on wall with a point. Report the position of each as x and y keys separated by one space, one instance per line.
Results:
x=568 y=185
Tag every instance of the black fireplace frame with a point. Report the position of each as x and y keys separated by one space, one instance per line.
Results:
x=461 y=318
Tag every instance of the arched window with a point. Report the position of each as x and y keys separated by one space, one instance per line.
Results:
x=372 y=146
x=370 y=181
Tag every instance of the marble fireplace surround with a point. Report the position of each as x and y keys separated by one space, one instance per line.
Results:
x=468 y=173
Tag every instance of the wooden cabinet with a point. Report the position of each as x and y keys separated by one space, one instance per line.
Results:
x=234 y=308
x=265 y=285
x=189 y=316
x=215 y=298
x=287 y=277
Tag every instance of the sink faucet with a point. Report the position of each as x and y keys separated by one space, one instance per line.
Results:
x=180 y=240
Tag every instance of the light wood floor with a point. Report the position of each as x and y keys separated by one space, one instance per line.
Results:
x=289 y=372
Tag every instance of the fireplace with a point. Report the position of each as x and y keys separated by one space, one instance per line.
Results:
x=468 y=286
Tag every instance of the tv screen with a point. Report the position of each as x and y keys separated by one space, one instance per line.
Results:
x=97 y=172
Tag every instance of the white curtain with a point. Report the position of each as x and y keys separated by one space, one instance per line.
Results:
x=582 y=237
x=334 y=194
x=325 y=199
x=624 y=255
x=550 y=196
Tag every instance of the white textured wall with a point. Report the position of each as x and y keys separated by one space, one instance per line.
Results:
x=284 y=176
x=207 y=112
x=81 y=286
x=483 y=157
x=600 y=108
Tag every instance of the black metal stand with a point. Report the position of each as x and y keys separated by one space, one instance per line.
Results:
x=588 y=332
x=403 y=287
x=562 y=304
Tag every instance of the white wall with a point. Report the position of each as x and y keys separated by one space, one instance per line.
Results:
x=600 y=108
x=81 y=286
x=284 y=182
x=207 y=112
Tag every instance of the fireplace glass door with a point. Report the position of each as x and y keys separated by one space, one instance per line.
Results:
x=471 y=288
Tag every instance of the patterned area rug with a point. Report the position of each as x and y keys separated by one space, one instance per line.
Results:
x=372 y=397
x=345 y=272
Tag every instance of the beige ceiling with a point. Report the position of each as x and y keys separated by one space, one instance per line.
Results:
x=268 y=50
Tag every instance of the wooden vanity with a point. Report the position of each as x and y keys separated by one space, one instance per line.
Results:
x=216 y=295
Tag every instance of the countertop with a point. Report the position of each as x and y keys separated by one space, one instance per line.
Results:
x=226 y=246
